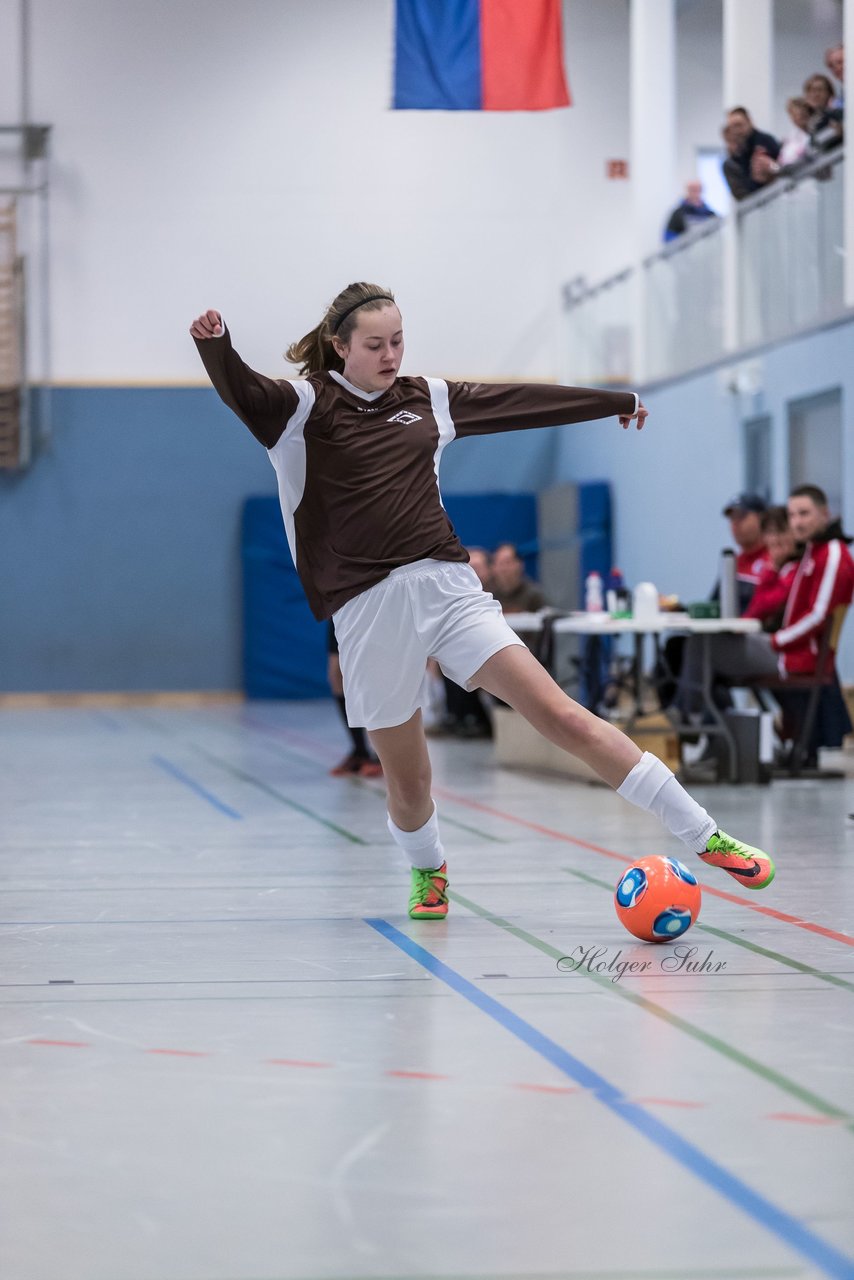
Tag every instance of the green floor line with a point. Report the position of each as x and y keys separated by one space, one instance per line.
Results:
x=691 y=1273
x=277 y=795
x=444 y=817
x=768 y=1074
x=277 y=749
x=788 y=961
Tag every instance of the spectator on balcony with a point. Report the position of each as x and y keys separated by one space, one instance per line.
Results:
x=743 y=142
x=834 y=60
x=690 y=213
x=825 y=122
x=796 y=144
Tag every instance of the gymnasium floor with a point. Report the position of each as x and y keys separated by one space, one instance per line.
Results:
x=228 y=1054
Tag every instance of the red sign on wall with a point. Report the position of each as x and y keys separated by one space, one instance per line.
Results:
x=616 y=168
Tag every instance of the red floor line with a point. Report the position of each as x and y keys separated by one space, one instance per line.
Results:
x=788 y=1116
x=416 y=1075
x=835 y=936
x=295 y=1062
x=66 y=1044
x=548 y=1088
x=179 y=1053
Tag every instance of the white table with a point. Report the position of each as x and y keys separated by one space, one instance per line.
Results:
x=602 y=624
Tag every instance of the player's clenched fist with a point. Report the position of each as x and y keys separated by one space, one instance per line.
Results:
x=207 y=325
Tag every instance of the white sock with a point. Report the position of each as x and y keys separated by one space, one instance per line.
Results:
x=654 y=787
x=423 y=847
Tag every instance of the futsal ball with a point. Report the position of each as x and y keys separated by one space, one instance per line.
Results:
x=657 y=898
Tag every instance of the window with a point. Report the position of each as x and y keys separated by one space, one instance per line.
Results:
x=757 y=456
x=815 y=444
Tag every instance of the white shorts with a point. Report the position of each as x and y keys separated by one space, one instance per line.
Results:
x=429 y=609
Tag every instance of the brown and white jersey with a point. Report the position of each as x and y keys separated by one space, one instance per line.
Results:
x=358 y=471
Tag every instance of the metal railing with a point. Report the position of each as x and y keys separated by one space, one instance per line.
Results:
x=771 y=269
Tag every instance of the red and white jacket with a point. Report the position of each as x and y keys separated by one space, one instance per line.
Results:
x=772 y=592
x=824 y=579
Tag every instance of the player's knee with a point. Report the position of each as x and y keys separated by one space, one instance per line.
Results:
x=409 y=791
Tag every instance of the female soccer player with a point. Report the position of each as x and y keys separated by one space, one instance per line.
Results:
x=356 y=450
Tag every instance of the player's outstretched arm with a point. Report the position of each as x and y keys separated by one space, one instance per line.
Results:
x=264 y=404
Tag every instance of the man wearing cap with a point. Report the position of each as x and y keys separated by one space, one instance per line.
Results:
x=745 y=512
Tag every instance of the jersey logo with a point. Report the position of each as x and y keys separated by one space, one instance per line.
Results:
x=405 y=417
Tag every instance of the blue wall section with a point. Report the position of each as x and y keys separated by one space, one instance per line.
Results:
x=119 y=548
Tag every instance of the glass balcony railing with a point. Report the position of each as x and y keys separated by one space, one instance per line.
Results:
x=772 y=269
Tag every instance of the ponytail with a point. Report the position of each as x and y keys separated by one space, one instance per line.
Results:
x=314 y=352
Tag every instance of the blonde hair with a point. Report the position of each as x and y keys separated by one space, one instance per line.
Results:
x=314 y=352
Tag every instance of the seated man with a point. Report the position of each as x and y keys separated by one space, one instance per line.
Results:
x=824 y=578
x=513 y=591
x=745 y=513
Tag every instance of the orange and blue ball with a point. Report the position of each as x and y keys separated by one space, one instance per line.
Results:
x=657 y=899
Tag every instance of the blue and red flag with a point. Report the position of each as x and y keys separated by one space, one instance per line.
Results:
x=479 y=55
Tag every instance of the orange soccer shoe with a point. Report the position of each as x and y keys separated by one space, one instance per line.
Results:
x=751 y=867
x=429 y=897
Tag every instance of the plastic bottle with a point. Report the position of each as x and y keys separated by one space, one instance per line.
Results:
x=729 y=594
x=616 y=588
x=593 y=601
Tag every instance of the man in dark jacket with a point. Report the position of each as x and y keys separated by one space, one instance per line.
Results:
x=689 y=213
x=744 y=141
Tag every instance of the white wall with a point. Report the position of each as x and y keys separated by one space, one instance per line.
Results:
x=245 y=156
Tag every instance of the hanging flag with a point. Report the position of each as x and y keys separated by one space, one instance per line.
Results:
x=479 y=55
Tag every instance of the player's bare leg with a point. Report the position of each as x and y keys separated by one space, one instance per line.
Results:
x=412 y=818
x=514 y=675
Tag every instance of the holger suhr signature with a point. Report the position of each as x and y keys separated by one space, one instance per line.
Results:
x=679 y=959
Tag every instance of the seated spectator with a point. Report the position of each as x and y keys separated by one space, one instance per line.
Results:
x=745 y=512
x=513 y=591
x=824 y=579
x=824 y=126
x=482 y=565
x=834 y=60
x=743 y=141
x=772 y=590
x=690 y=213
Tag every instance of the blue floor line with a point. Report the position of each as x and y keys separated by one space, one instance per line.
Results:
x=173 y=769
x=781 y=1224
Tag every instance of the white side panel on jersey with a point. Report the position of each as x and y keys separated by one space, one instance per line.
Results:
x=442 y=413
x=288 y=458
